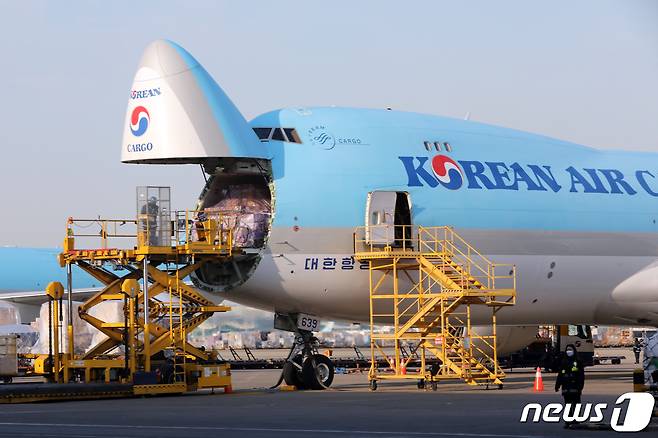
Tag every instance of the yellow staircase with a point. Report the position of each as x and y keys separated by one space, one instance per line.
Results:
x=425 y=291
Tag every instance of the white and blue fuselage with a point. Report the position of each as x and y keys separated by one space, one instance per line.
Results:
x=576 y=221
x=579 y=223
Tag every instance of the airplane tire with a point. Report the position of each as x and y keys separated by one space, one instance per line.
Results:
x=318 y=372
x=292 y=375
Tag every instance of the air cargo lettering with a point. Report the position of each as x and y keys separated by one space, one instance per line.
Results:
x=141 y=94
x=495 y=175
x=140 y=147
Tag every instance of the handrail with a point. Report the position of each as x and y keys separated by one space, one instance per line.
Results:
x=448 y=241
x=434 y=310
x=170 y=229
x=437 y=242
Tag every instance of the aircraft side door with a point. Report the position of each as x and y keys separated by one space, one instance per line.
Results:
x=388 y=218
x=380 y=218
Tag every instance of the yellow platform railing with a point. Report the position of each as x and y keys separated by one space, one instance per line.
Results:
x=438 y=244
x=423 y=284
x=184 y=231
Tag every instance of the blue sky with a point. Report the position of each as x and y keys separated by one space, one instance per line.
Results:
x=582 y=71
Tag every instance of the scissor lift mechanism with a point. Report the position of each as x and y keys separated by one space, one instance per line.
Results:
x=157 y=316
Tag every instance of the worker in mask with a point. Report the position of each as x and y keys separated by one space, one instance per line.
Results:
x=571 y=379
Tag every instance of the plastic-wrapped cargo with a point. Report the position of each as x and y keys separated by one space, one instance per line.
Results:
x=245 y=209
x=80 y=328
x=9 y=314
x=85 y=336
x=26 y=336
x=108 y=311
x=613 y=337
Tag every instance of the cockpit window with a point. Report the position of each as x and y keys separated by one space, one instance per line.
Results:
x=289 y=135
x=278 y=135
x=263 y=133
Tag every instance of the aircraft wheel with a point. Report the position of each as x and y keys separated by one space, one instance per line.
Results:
x=318 y=372
x=292 y=374
x=421 y=384
x=435 y=386
x=373 y=385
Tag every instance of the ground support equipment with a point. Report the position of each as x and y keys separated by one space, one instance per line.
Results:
x=426 y=284
x=147 y=352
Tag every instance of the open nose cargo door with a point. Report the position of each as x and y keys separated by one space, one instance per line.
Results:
x=178 y=114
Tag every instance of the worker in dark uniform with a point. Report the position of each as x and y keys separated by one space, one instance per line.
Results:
x=200 y=229
x=571 y=378
x=637 y=349
x=150 y=220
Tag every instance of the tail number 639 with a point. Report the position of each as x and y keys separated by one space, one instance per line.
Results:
x=308 y=322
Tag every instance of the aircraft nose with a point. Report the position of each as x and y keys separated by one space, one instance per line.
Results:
x=164 y=58
x=177 y=113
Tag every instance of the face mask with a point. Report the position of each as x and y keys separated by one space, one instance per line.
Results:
x=569 y=353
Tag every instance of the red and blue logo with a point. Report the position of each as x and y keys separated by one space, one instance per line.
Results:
x=139 y=121
x=447 y=172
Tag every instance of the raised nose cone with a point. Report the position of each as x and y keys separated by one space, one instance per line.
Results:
x=165 y=58
x=177 y=113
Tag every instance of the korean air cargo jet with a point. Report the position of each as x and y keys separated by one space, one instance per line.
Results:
x=579 y=224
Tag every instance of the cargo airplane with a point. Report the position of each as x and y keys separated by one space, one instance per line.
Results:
x=579 y=223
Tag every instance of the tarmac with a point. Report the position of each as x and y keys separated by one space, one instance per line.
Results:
x=348 y=409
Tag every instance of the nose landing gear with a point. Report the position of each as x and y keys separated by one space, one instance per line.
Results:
x=318 y=372
x=305 y=368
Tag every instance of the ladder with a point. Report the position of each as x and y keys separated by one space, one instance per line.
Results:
x=177 y=328
x=427 y=291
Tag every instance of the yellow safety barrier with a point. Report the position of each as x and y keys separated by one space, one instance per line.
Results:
x=183 y=233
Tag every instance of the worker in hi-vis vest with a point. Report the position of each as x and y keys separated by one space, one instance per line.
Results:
x=571 y=378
